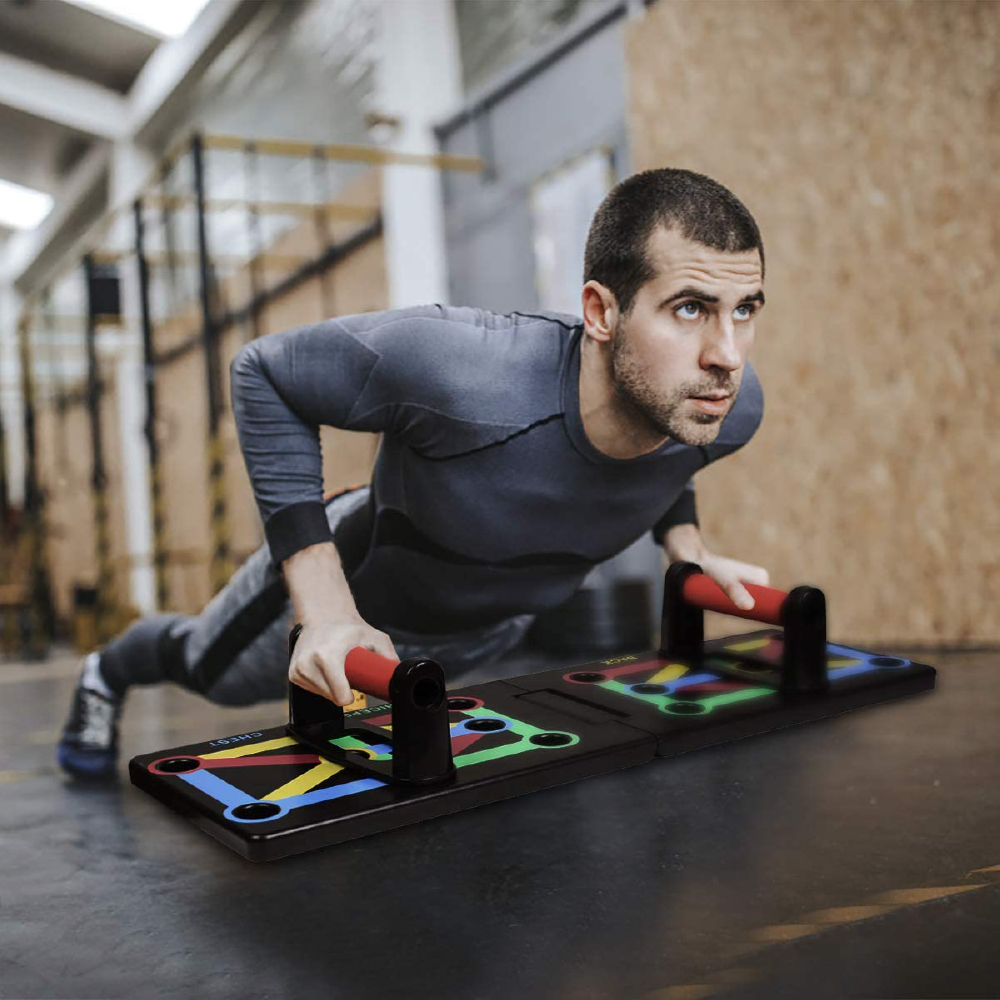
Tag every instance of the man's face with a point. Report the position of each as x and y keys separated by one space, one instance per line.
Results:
x=687 y=336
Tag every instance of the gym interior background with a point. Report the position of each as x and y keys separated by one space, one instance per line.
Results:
x=245 y=166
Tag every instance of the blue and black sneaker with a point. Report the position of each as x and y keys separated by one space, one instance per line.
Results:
x=89 y=744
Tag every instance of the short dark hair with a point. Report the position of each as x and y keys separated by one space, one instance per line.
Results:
x=698 y=207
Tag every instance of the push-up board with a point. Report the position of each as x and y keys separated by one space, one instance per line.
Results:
x=328 y=776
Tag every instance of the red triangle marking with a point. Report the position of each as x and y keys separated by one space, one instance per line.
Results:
x=460 y=743
x=258 y=761
x=714 y=686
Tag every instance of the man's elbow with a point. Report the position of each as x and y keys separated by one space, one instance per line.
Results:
x=245 y=368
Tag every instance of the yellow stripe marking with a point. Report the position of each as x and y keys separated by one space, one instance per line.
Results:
x=740 y=647
x=669 y=673
x=251 y=748
x=305 y=782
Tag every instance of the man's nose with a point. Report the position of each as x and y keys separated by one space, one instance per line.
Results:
x=719 y=349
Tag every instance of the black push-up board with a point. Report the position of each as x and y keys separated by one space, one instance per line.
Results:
x=267 y=796
x=329 y=776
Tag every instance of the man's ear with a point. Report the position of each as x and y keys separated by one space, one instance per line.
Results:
x=600 y=311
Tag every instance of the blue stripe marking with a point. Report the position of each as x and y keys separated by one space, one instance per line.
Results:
x=335 y=792
x=217 y=788
x=681 y=682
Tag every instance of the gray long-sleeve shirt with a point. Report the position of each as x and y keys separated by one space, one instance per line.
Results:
x=488 y=499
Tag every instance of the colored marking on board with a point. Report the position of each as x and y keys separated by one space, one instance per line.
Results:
x=245 y=749
x=305 y=782
x=670 y=687
x=731 y=692
x=746 y=694
x=333 y=792
x=302 y=789
x=297 y=758
x=376 y=750
x=713 y=688
x=671 y=672
x=460 y=744
x=743 y=647
x=214 y=786
x=627 y=668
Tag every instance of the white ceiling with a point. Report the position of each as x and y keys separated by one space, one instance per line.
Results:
x=80 y=44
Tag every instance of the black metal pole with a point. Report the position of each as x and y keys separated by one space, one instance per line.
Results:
x=98 y=475
x=255 y=242
x=41 y=612
x=4 y=488
x=321 y=223
x=220 y=557
x=149 y=427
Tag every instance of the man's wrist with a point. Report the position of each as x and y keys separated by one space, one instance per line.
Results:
x=683 y=543
x=318 y=588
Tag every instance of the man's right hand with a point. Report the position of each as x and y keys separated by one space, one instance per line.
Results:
x=317 y=662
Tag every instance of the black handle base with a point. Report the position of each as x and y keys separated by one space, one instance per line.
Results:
x=421 y=734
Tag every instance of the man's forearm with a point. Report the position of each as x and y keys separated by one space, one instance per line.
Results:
x=683 y=543
x=317 y=585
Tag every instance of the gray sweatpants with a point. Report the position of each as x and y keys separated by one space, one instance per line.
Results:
x=236 y=651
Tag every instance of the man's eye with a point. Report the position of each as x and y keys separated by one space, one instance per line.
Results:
x=697 y=306
x=750 y=309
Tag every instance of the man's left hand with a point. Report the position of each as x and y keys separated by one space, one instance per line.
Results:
x=683 y=543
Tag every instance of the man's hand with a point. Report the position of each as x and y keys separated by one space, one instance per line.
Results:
x=683 y=543
x=318 y=660
x=331 y=625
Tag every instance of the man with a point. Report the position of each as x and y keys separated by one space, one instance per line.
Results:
x=518 y=452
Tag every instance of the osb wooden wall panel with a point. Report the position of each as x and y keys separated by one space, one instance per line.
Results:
x=65 y=471
x=63 y=445
x=121 y=563
x=864 y=138
x=183 y=433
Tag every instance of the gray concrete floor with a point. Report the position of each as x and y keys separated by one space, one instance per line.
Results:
x=853 y=857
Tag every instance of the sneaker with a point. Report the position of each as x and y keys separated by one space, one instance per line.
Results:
x=89 y=744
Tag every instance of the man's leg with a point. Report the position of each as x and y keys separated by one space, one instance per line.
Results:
x=234 y=653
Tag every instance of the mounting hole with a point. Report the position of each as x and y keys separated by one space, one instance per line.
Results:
x=551 y=739
x=367 y=754
x=887 y=661
x=177 y=765
x=461 y=704
x=485 y=725
x=649 y=689
x=426 y=693
x=257 y=810
x=588 y=677
x=687 y=708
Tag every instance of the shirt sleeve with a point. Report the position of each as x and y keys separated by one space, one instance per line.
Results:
x=683 y=511
x=284 y=386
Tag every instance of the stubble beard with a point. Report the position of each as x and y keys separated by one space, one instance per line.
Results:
x=662 y=415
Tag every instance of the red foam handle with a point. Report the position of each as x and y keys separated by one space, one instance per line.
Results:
x=369 y=672
x=702 y=591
